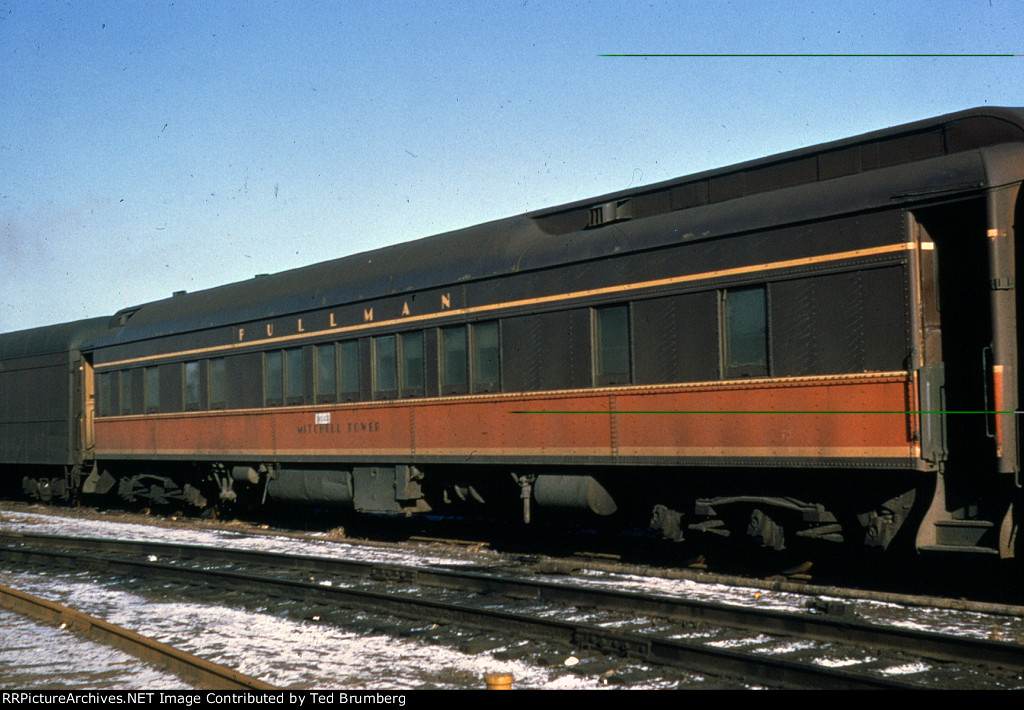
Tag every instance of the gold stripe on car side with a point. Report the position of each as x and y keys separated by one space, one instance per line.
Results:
x=541 y=300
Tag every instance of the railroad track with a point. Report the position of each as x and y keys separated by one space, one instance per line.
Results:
x=193 y=669
x=695 y=637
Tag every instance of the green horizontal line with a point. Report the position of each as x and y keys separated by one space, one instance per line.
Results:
x=811 y=55
x=755 y=411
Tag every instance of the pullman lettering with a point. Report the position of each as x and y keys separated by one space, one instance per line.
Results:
x=329 y=319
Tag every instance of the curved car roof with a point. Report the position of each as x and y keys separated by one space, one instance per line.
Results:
x=50 y=339
x=553 y=235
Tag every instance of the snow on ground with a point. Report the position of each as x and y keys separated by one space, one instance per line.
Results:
x=277 y=650
x=296 y=653
x=280 y=651
x=58 y=525
x=35 y=656
x=332 y=548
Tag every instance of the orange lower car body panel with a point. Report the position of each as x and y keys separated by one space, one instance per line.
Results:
x=806 y=419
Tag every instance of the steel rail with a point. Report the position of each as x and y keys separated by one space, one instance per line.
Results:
x=190 y=668
x=819 y=627
x=748 y=667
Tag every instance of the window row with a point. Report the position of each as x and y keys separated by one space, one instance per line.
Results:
x=139 y=390
x=392 y=366
x=724 y=333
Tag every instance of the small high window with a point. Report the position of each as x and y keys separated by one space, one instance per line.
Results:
x=385 y=366
x=273 y=378
x=412 y=364
x=486 y=357
x=151 y=385
x=611 y=345
x=106 y=393
x=349 y=370
x=126 y=391
x=326 y=372
x=745 y=332
x=218 y=383
x=294 y=381
x=192 y=386
x=454 y=362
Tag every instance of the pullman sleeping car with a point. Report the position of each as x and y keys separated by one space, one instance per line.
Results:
x=818 y=347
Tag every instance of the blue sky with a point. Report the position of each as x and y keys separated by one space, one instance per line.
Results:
x=150 y=147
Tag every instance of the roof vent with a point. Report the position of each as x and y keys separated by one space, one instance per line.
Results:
x=121 y=318
x=616 y=211
x=178 y=293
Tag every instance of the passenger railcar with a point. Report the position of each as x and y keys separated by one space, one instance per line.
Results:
x=45 y=384
x=818 y=346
